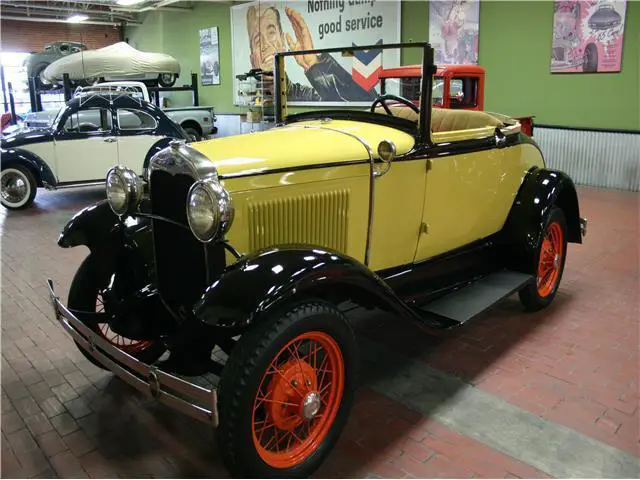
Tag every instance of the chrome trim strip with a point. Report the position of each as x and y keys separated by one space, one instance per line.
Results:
x=186 y=397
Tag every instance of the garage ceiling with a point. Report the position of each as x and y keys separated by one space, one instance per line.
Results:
x=101 y=12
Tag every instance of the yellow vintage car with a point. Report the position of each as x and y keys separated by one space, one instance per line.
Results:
x=253 y=243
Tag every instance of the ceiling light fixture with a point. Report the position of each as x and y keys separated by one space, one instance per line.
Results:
x=77 y=18
x=127 y=3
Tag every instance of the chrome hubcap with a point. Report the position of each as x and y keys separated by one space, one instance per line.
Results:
x=14 y=187
x=310 y=405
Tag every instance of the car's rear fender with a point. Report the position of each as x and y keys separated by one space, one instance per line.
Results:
x=541 y=190
x=259 y=283
x=41 y=171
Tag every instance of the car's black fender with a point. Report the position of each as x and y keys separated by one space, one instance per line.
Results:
x=39 y=168
x=540 y=191
x=99 y=229
x=256 y=284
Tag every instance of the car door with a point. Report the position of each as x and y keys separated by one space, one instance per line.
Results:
x=137 y=133
x=467 y=190
x=85 y=146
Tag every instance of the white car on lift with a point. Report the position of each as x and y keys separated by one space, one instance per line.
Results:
x=119 y=61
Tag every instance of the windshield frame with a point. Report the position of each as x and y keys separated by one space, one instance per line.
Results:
x=422 y=132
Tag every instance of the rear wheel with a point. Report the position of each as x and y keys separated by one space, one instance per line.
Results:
x=85 y=296
x=17 y=187
x=549 y=263
x=167 y=79
x=286 y=392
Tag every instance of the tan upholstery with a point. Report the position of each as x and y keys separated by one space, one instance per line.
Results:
x=447 y=120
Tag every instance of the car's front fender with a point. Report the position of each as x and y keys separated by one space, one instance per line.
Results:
x=256 y=284
x=41 y=171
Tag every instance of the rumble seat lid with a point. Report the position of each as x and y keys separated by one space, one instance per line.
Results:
x=309 y=143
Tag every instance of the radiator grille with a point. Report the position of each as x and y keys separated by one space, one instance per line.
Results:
x=597 y=159
x=315 y=218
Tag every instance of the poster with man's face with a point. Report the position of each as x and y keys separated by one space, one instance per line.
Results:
x=453 y=30
x=260 y=29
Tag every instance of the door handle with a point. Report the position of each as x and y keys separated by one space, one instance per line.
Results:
x=110 y=139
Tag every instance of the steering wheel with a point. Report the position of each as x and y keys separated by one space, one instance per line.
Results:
x=382 y=99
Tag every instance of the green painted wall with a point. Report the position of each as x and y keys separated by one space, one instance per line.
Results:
x=515 y=46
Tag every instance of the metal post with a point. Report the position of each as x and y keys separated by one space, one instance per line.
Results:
x=194 y=88
x=12 y=105
x=32 y=94
x=66 y=85
x=4 y=89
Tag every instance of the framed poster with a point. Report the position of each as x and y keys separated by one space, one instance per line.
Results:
x=260 y=29
x=587 y=36
x=209 y=56
x=453 y=30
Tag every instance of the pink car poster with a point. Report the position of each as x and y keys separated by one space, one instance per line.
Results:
x=587 y=35
x=453 y=30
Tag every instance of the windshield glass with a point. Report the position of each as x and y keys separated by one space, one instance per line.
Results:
x=346 y=81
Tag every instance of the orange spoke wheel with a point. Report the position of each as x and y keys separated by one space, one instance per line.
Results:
x=298 y=399
x=286 y=391
x=547 y=263
x=123 y=343
x=551 y=257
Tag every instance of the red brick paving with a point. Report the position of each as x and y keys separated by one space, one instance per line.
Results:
x=574 y=364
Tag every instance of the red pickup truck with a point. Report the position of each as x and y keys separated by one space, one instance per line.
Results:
x=454 y=86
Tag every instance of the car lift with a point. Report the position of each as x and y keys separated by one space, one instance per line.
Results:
x=36 y=99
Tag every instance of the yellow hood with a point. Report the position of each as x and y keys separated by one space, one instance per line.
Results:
x=295 y=146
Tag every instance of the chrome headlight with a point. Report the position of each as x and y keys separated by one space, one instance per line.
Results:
x=124 y=189
x=209 y=210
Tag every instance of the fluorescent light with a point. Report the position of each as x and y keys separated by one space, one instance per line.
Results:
x=77 y=18
x=128 y=2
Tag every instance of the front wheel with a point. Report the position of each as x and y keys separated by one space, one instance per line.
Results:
x=85 y=296
x=17 y=187
x=286 y=393
x=549 y=263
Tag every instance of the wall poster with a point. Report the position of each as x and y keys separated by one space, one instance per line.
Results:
x=587 y=36
x=209 y=56
x=260 y=29
x=453 y=30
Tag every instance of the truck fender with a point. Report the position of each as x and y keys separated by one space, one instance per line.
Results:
x=540 y=191
x=41 y=171
x=260 y=282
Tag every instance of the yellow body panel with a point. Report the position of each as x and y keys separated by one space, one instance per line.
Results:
x=297 y=145
x=327 y=207
x=468 y=196
x=421 y=207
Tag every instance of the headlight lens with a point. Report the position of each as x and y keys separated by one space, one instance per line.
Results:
x=209 y=210
x=124 y=189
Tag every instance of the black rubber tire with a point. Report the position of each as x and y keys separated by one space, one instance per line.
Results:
x=33 y=187
x=83 y=293
x=590 y=62
x=243 y=373
x=529 y=296
x=162 y=83
x=39 y=84
x=193 y=133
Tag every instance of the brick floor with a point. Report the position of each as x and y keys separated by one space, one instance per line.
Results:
x=575 y=364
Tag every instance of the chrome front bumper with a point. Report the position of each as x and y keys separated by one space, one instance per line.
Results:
x=193 y=400
x=583 y=226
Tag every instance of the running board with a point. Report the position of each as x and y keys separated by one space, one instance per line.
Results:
x=468 y=302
